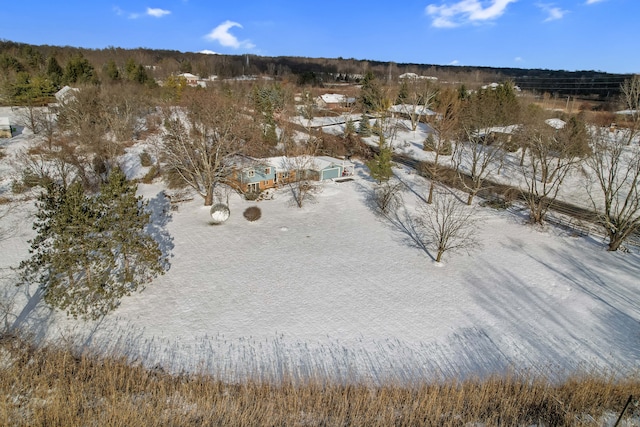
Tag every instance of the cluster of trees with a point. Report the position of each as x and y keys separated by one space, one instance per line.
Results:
x=477 y=130
x=38 y=69
x=29 y=77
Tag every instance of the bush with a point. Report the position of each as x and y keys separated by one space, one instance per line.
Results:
x=145 y=159
x=252 y=195
x=17 y=187
x=150 y=175
x=252 y=213
x=445 y=149
x=174 y=179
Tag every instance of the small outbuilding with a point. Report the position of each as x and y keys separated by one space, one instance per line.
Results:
x=5 y=128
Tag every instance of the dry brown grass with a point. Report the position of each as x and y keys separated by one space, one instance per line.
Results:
x=53 y=387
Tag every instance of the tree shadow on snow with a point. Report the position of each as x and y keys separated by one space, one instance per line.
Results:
x=401 y=220
x=34 y=319
x=160 y=207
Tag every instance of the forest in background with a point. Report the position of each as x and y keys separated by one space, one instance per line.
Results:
x=30 y=72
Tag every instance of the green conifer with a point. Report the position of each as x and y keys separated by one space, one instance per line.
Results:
x=90 y=251
x=380 y=166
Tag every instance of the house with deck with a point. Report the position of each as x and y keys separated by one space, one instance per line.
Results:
x=252 y=175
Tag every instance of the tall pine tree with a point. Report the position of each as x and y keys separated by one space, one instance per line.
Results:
x=90 y=251
x=380 y=165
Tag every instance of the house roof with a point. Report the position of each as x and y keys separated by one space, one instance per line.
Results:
x=281 y=163
x=336 y=98
x=65 y=93
x=5 y=123
x=189 y=76
x=415 y=76
x=412 y=109
x=498 y=129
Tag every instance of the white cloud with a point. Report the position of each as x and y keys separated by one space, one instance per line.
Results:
x=466 y=11
x=593 y=1
x=553 y=12
x=208 y=52
x=156 y=12
x=518 y=59
x=222 y=35
x=454 y=62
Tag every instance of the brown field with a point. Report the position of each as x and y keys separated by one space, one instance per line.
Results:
x=55 y=387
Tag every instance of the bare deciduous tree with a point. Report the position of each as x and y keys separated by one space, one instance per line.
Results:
x=302 y=179
x=475 y=161
x=387 y=195
x=551 y=155
x=616 y=168
x=39 y=120
x=630 y=93
x=418 y=101
x=447 y=105
x=199 y=141
x=449 y=224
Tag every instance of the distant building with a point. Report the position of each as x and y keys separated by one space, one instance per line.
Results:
x=65 y=94
x=195 y=81
x=414 y=76
x=334 y=100
x=411 y=110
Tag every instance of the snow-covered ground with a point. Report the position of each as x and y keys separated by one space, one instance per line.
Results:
x=335 y=290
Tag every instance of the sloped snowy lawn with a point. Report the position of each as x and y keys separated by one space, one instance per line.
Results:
x=334 y=290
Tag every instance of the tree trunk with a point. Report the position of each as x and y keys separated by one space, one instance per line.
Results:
x=430 y=198
x=439 y=256
x=470 y=198
x=524 y=151
x=614 y=243
x=208 y=199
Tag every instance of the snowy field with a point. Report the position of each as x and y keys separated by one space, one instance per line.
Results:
x=334 y=290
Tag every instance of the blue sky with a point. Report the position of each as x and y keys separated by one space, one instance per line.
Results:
x=554 y=34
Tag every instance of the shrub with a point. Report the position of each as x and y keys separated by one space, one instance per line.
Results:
x=251 y=195
x=174 y=179
x=429 y=144
x=252 y=213
x=145 y=159
x=150 y=175
x=17 y=187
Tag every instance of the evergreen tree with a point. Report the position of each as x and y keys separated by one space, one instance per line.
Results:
x=403 y=94
x=111 y=70
x=370 y=94
x=79 y=70
x=380 y=166
x=349 y=127
x=130 y=68
x=89 y=252
x=140 y=75
x=364 y=129
x=122 y=223
x=377 y=128
x=54 y=71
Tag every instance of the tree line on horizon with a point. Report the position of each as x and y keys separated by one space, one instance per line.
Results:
x=37 y=71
